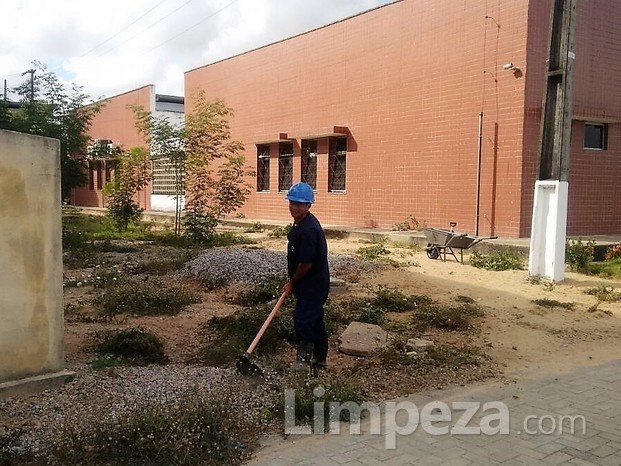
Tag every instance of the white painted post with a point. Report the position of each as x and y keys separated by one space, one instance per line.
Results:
x=548 y=230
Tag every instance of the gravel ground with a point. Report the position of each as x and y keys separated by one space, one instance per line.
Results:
x=246 y=265
x=108 y=395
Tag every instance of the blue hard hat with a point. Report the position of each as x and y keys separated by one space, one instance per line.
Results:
x=301 y=192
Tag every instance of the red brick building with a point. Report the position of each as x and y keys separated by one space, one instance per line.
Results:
x=380 y=112
x=115 y=125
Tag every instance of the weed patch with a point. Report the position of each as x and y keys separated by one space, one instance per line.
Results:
x=459 y=318
x=554 y=303
x=148 y=297
x=604 y=293
x=393 y=300
x=373 y=252
x=497 y=260
x=133 y=346
x=280 y=232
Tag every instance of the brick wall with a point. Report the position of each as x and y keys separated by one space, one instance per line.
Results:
x=409 y=81
x=116 y=122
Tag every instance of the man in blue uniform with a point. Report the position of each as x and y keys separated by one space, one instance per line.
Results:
x=309 y=278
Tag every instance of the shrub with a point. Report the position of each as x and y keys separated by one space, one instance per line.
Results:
x=460 y=317
x=129 y=346
x=279 y=232
x=579 y=255
x=149 y=297
x=391 y=299
x=497 y=260
x=613 y=253
x=199 y=228
x=372 y=252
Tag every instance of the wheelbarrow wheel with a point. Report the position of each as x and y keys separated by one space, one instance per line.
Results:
x=432 y=251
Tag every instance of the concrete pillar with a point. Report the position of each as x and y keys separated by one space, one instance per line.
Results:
x=31 y=293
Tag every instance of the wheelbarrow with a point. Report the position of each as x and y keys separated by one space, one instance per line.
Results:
x=441 y=241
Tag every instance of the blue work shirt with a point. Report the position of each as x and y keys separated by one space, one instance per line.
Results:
x=307 y=244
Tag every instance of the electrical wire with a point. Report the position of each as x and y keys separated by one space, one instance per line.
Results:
x=191 y=27
x=145 y=29
x=124 y=29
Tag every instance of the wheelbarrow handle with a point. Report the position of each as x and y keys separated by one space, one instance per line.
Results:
x=267 y=322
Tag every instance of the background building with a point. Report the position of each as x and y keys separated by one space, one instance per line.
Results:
x=114 y=127
x=380 y=113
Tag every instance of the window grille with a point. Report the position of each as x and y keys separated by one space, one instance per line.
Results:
x=337 y=164
x=285 y=165
x=164 y=177
x=263 y=168
x=309 y=162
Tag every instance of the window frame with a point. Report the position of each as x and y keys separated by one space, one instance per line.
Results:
x=603 y=136
x=285 y=166
x=337 y=165
x=309 y=155
x=263 y=168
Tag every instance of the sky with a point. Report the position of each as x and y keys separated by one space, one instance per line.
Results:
x=113 y=46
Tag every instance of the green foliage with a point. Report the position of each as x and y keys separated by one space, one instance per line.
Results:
x=279 y=232
x=579 y=255
x=192 y=431
x=263 y=292
x=324 y=390
x=133 y=172
x=614 y=252
x=459 y=317
x=199 y=227
x=393 y=300
x=254 y=227
x=229 y=336
x=149 y=297
x=214 y=167
x=411 y=223
x=372 y=252
x=56 y=112
x=443 y=356
x=133 y=346
x=497 y=260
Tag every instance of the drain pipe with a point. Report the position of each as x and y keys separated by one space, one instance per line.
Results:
x=479 y=148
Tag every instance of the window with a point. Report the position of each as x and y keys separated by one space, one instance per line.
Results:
x=595 y=136
x=309 y=162
x=166 y=178
x=263 y=168
x=285 y=165
x=337 y=164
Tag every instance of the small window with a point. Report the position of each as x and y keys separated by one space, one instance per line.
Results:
x=595 y=136
x=337 y=164
x=309 y=162
x=285 y=165
x=263 y=168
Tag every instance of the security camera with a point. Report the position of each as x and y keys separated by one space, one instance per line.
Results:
x=508 y=66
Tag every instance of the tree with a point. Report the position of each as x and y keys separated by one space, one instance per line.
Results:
x=166 y=141
x=208 y=166
x=49 y=109
x=215 y=169
x=132 y=175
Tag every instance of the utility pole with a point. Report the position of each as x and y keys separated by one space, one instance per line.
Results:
x=32 y=72
x=549 y=219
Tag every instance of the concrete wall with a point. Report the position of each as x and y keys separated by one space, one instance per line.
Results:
x=31 y=300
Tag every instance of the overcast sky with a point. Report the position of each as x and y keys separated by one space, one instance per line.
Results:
x=113 y=46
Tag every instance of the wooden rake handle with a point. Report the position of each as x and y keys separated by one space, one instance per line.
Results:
x=267 y=322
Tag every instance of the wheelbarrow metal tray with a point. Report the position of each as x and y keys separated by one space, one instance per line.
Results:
x=444 y=238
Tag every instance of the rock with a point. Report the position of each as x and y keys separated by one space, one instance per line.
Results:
x=360 y=339
x=419 y=344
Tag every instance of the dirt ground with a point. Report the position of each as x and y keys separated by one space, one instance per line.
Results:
x=523 y=339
